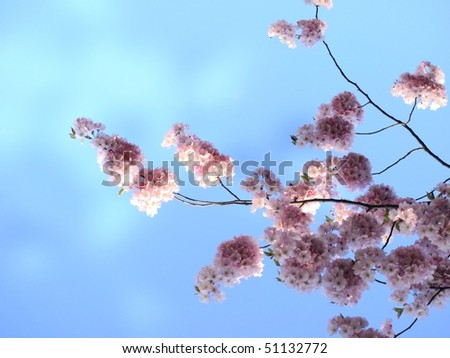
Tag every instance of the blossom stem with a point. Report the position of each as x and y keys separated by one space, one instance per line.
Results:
x=227 y=189
x=431 y=192
x=412 y=110
x=377 y=131
x=398 y=161
x=246 y=202
x=390 y=235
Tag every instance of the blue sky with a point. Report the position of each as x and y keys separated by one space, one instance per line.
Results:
x=77 y=260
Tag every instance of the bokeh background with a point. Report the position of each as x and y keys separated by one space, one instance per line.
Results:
x=77 y=260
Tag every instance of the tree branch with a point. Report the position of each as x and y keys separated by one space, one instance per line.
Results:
x=378 y=131
x=415 y=320
x=223 y=186
x=382 y=111
x=390 y=235
x=431 y=192
x=398 y=161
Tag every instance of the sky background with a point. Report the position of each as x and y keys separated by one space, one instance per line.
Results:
x=77 y=260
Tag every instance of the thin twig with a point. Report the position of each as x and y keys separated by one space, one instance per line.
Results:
x=412 y=110
x=382 y=282
x=390 y=235
x=378 y=131
x=415 y=320
x=398 y=161
x=431 y=192
x=198 y=202
x=382 y=111
x=223 y=186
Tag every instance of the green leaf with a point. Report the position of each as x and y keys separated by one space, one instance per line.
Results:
x=397 y=226
x=279 y=279
x=121 y=191
x=294 y=139
x=268 y=253
x=328 y=219
x=71 y=135
x=276 y=262
x=430 y=196
x=386 y=217
x=399 y=311
x=197 y=289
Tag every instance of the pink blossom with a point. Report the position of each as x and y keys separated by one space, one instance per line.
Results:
x=341 y=284
x=406 y=266
x=312 y=31
x=367 y=260
x=288 y=217
x=361 y=230
x=356 y=327
x=208 y=285
x=305 y=135
x=354 y=171
x=236 y=259
x=444 y=189
x=347 y=106
x=405 y=217
x=154 y=187
x=434 y=222
x=120 y=157
x=199 y=156
x=84 y=128
x=334 y=133
x=337 y=245
x=328 y=4
x=426 y=85
x=285 y=31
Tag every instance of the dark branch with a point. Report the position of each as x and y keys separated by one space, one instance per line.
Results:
x=398 y=161
x=431 y=192
x=412 y=110
x=223 y=186
x=415 y=320
x=382 y=111
x=378 y=131
x=390 y=235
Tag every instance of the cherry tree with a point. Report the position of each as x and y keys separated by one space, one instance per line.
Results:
x=351 y=248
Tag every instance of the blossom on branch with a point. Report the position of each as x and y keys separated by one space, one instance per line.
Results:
x=154 y=187
x=356 y=327
x=285 y=32
x=313 y=31
x=236 y=259
x=426 y=85
x=328 y=4
x=199 y=156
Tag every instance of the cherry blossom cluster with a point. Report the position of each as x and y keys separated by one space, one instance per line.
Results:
x=334 y=126
x=425 y=85
x=328 y=4
x=156 y=186
x=236 y=259
x=311 y=32
x=356 y=327
x=199 y=156
x=124 y=160
x=262 y=185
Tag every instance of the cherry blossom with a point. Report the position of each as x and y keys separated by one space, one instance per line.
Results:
x=199 y=156
x=236 y=259
x=312 y=31
x=154 y=187
x=328 y=4
x=285 y=32
x=425 y=85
